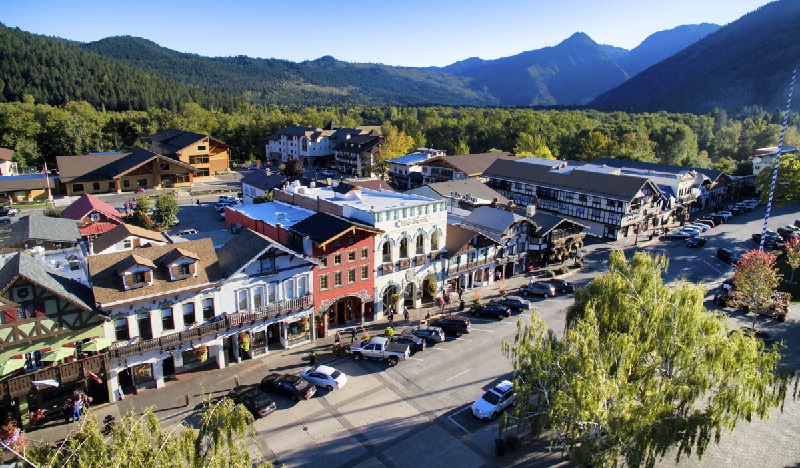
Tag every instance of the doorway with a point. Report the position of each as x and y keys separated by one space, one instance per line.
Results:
x=169 y=367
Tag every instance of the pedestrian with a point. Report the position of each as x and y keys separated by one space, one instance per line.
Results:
x=352 y=334
x=405 y=313
x=428 y=315
x=76 y=411
x=198 y=202
x=66 y=410
x=336 y=338
x=312 y=358
x=86 y=401
x=391 y=318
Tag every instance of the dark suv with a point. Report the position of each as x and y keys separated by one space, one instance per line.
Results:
x=538 y=288
x=253 y=399
x=453 y=324
x=562 y=286
x=288 y=385
x=491 y=310
x=727 y=255
x=414 y=343
x=429 y=334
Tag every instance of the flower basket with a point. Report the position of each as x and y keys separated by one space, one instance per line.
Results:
x=244 y=342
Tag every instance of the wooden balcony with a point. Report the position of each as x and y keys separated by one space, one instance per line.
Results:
x=470 y=265
x=69 y=372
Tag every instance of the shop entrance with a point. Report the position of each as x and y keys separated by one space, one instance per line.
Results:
x=344 y=310
x=169 y=366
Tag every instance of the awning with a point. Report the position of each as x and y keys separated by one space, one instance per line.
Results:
x=45 y=383
x=11 y=365
x=97 y=344
x=58 y=354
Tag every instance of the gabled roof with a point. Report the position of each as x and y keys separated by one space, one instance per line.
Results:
x=173 y=140
x=493 y=222
x=546 y=222
x=95 y=229
x=106 y=166
x=122 y=231
x=618 y=187
x=38 y=227
x=372 y=184
x=471 y=164
x=260 y=180
x=459 y=236
x=359 y=144
x=104 y=272
x=133 y=260
x=474 y=187
x=87 y=204
x=6 y=154
x=658 y=167
x=176 y=254
x=25 y=182
x=323 y=228
x=21 y=265
x=247 y=247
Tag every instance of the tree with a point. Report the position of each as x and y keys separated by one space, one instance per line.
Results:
x=267 y=197
x=293 y=168
x=642 y=367
x=143 y=203
x=166 y=210
x=755 y=280
x=792 y=250
x=221 y=440
x=395 y=144
x=787 y=187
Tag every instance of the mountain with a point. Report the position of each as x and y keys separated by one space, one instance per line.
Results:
x=662 y=44
x=745 y=63
x=325 y=81
x=572 y=72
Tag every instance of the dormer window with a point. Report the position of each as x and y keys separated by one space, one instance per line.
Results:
x=136 y=272
x=181 y=264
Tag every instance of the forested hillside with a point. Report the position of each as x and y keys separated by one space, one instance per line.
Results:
x=748 y=62
x=56 y=72
x=658 y=46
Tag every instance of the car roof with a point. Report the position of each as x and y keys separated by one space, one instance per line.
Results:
x=322 y=368
x=503 y=386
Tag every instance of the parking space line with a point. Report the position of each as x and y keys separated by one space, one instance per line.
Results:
x=462 y=339
x=712 y=266
x=457 y=424
x=482 y=330
x=460 y=373
x=414 y=359
x=439 y=349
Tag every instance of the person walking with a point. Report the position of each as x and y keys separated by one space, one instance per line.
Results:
x=391 y=319
x=76 y=410
x=353 y=334
x=405 y=313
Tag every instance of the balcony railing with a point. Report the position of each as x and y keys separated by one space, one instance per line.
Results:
x=470 y=265
x=64 y=373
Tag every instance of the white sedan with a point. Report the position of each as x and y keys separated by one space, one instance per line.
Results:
x=324 y=377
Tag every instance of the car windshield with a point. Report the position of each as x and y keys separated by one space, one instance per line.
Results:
x=491 y=397
x=335 y=374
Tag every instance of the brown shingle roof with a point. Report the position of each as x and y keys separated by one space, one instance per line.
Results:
x=108 y=166
x=107 y=284
x=471 y=164
x=122 y=231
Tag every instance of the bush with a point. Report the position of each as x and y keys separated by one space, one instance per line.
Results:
x=52 y=211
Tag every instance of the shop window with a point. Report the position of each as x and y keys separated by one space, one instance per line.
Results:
x=189 y=316
x=365 y=272
x=167 y=320
x=142 y=373
x=121 y=330
x=208 y=309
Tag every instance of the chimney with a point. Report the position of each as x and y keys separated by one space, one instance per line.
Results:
x=494 y=203
x=530 y=210
x=510 y=206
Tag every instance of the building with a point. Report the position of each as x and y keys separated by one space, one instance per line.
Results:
x=7 y=165
x=509 y=230
x=470 y=259
x=405 y=172
x=314 y=147
x=28 y=187
x=406 y=265
x=206 y=154
x=121 y=172
x=345 y=282
x=257 y=183
x=462 y=196
x=47 y=318
x=268 y=219
x=460 y=166
x=94 y=216
x=764 y=158
x=555 y=239
x=125 y=237
x=41 y=232
x=355 y=155
x=610 y=205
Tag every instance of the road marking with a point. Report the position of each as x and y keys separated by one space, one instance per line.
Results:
x=414 y=359
x=482 y=330
x=712 y=266
x=462 y=339
x=439 y=349
x=459 y=374
x=457 y=424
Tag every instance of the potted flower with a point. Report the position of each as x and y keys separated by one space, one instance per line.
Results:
x=202 y=352
x=477 y=299
x=394 y=299
x=244 y=342
x=431 y=289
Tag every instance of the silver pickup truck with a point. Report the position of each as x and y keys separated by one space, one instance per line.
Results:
x=380 y=348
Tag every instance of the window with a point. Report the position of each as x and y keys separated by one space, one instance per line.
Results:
x=242 y=299
x=387 y=251
x=126 y=183
x=405 y=213
x=337 y=279
x=167 y=321
x=188 y=314
x=137 y=277
x=404 y=247
x=141 y=182
x=121 y=329
x=365 y=272
x=351 y=276
x=323 y=262
x=127 y=244
x=33 y=360
x=337 y=259
x=202 y=172
x=351 y=240
x=351 y=256
x=145 y=327
x=596 y=212
x=112 y=186
x=420 y=244
x=208 y=309
x=435 y=241
x=201 y=147
x=337 y=243
x=164 y=166
x=302 y=286
x=96 y=186
x=288 y=289
x=323 y=283
x=378 y=217
x=183 y=269
x=77 y=187
x=258 y=297
x=272 y=292
x=364 y=253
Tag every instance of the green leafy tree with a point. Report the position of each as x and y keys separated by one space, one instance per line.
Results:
x=221 y=440
x=642 y=368
x=293 y=168
x=792 y=250
x=755 y=281
x=267 y=197
x=143 y=203
x=395 y=144
x=166 y=209
x=787 y=186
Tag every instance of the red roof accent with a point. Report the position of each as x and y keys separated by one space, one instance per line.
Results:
x=93 y=229
x=87 y=204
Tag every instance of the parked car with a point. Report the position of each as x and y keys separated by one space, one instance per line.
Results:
x=707 y=221
x=429 y=333
x=725 y=214
x=327 y=173
x=727 y=255
x=538 y=288
x=7 y=210
x=253 y=399
x=737 y=210
x=288 y=385
x=381 y=349
x=695 y=242
x=495 y=400
x=229 y=199
x=453 y=324
x=324 y=377
x=787 y=232
x=681 y=234
x=186 y=232
x=718 y=219
x=773 y=239
x=515 y=303
x=415 y=344
x=562 y=286
x=699 y=226
x=491 y=310
x=751 y=203
x=220 y=206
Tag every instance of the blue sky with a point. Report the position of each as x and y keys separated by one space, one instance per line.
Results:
x=399 y=32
